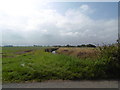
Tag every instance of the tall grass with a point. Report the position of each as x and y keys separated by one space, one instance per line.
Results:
x=39 y=65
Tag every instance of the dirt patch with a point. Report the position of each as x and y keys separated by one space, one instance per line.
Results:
x=86 y=54
x=22 y=52
x=65 y=50
x=7 y=56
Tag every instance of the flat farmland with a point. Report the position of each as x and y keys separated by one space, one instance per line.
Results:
x=21 y=64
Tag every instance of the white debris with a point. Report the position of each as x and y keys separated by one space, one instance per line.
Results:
x=53 y=52
x=23 y=64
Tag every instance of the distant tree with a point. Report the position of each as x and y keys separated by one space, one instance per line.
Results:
x=83 y=45
x=35 y=45
x=78 y=45
x=67 y=45
x=90 y=45
x=8 y=46
x=57 y=46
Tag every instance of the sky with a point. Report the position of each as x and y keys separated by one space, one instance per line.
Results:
x=31 y=22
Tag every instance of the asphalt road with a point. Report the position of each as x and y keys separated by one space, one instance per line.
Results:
x=65 y=84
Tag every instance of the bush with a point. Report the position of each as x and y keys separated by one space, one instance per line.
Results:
x=111 y=55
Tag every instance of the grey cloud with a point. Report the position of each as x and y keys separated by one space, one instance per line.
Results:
x=48 y=27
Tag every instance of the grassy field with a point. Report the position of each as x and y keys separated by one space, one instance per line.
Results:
x=20 y=64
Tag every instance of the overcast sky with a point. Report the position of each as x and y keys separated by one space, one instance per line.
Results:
x=29 y=22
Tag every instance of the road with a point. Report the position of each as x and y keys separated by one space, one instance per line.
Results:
x=65 y=84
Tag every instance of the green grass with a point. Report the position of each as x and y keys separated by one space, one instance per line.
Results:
x=39 y=65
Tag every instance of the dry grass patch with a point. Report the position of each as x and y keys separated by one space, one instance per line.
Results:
x=80 y=52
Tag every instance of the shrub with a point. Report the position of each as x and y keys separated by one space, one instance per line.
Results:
x=111 y=56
